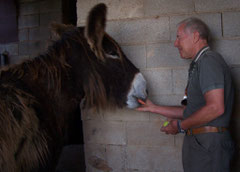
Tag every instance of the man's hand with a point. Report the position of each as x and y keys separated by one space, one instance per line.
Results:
x=146 y=106
x=171 y=128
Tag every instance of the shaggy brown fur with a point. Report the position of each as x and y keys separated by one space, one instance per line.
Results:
x=22 y=144
x=39 y=97
x=19 y=122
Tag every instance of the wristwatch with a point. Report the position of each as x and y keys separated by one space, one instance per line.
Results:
x=180 y=130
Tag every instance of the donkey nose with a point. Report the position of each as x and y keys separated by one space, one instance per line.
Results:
x=144 y=95
x=138 y=91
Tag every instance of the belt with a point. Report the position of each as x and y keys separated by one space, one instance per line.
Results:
x=205 y=129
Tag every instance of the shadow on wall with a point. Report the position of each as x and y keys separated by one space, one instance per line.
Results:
x=234 y=128
x=235 y=119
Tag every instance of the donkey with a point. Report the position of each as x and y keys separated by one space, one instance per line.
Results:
x=39 y=96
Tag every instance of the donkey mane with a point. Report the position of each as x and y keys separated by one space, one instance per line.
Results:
x=18 y=103
x=40 y=97
x=53 y=64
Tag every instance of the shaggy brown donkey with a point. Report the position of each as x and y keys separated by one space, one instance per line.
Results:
x=39 y=97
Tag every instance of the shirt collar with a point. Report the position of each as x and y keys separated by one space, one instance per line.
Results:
x=200 y=52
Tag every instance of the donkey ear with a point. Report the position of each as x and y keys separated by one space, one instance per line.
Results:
x=94 y=30
x=58 y=29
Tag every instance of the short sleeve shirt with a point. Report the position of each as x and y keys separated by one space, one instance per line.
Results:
x=209 y=72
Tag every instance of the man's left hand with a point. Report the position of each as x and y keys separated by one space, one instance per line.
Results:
x=171 y=128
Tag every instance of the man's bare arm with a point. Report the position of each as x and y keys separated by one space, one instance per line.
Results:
x=214 y=108
x=173 y=112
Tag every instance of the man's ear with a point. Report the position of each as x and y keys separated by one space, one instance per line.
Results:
x=196 y=36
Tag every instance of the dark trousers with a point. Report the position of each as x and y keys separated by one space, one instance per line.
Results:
x=209 y=152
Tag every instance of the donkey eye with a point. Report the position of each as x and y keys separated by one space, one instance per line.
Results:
x=112 y=55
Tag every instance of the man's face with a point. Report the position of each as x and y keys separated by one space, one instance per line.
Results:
x=185 y=43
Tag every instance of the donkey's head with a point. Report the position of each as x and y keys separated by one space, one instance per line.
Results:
x=99 y=66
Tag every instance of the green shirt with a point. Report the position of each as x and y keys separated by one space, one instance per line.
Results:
x=209 y=72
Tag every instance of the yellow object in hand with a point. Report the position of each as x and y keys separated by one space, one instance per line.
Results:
x=165 y=123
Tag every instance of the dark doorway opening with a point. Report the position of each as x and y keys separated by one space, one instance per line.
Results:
x=69 y=12
x=72 y=157
x=8 y=21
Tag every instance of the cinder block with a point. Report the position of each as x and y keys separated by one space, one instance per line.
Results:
x=159 y=81
x=140 y=31
x=104 y=132
x=116 y=9
x=39 y=33
x=157 y=118
x=92 y=152
x=83 y=8
x=23 y=34
x=156 y=30
x=164 y=100
x=134 y=170
x=164 y=55
x=116 y=157
x=213 y=20
x=229 y=49
x=159 y=7
x=147 y=134
x=29 y=8
x=36 y=48
x=125 y=114
x=216 y=5
x=165 y=158
x=47 y=18
x=91 y=114
x=178 y=141
x=24 y=48
x=114 y=29
x=180 y=79
x=12 y=49
x=231 y=19
x=136 y=54
x=28 y=21
x=2 y=47
x=47 y=6
x=80 y=23
x=124 y=9
x=167 y=99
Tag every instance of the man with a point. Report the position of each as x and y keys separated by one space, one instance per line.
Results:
x=207 y=146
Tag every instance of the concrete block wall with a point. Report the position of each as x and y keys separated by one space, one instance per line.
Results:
x=33 y=28
x=125 y=140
